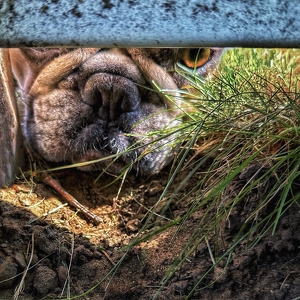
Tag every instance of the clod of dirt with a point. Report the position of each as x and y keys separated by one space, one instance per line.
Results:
x=8 y=272
x=44 y=280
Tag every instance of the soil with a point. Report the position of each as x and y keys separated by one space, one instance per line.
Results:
x=57 y=253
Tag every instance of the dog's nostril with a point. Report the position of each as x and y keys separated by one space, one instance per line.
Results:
x=96 y=98
x=108 y=105
x=113 y=114
x=93 y=98
x=103 y=113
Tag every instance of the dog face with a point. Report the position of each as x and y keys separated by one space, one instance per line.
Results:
x=89 y=103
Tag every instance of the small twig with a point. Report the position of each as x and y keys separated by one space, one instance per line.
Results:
x=285 y=279
x=71 y=200
x=108 y=257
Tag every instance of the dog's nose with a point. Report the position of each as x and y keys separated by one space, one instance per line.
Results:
x=110 y=95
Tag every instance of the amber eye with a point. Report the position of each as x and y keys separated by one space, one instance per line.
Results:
x=196 y=57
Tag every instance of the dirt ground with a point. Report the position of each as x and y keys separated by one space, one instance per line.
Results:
x=57 y=253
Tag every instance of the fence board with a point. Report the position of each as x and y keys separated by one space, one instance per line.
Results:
x=151 y=23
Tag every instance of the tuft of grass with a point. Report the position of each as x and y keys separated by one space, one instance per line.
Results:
x=247 y=120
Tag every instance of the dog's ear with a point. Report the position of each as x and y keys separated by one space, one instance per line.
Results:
x=28 y=62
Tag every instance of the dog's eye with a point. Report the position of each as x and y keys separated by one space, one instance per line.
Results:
x=196 y=57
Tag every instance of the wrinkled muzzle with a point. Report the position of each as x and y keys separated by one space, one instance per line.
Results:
x=103 y=107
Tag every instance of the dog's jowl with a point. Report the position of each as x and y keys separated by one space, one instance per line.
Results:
x=89 y=103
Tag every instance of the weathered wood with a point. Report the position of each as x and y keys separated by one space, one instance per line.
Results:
x=150 y=23
x=11 y=153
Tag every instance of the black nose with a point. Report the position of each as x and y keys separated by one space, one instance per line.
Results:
x=110 y=95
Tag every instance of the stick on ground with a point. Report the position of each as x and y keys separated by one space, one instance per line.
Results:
x=71 y=200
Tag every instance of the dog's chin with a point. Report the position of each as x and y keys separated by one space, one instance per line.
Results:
x=146 y=165
x=135 y=144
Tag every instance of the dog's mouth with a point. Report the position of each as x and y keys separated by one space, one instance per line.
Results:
x=136 y=137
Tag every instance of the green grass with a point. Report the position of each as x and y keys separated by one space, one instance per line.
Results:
x=247 y=120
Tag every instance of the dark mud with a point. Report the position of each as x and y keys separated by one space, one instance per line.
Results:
x=64 y=254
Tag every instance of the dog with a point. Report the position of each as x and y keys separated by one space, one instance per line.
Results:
x=102 y=104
